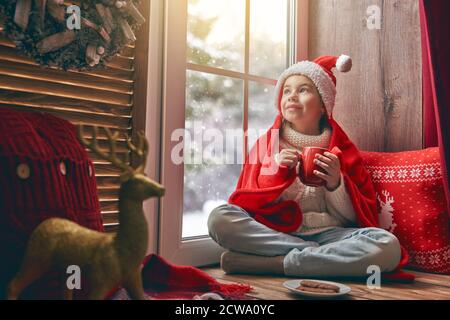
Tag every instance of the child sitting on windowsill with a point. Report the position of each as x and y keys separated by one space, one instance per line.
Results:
x=274 y=224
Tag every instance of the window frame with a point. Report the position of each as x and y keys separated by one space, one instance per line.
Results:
x=148 y=106
x=200 y=251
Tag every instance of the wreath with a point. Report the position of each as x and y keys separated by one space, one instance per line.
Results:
x=79 y=35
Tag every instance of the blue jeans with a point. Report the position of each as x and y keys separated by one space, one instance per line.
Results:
x=333 y=252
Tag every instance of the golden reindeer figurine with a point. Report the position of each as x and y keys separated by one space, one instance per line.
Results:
x=107 y=260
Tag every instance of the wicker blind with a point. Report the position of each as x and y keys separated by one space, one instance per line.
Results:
x=103 y=98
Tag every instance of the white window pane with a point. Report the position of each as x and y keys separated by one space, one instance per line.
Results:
x=261 y=111
x=213 y=108
x=216 y=33
x=268 y=37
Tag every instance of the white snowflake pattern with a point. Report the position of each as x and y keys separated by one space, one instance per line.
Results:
x=434 y=259
x=420 y=259
x=402 y=173
x=446 y=255
x=389 y=174
x=429 y=172
x=377 y=174
x=415 y=173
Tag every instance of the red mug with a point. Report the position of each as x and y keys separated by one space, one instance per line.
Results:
x=307 y=167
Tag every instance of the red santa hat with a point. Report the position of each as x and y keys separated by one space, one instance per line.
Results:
x=319 y=71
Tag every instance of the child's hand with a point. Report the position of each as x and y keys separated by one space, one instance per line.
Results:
x=331 y=164
x=288 y=158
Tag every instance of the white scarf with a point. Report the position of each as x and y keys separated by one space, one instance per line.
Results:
x=300 y=140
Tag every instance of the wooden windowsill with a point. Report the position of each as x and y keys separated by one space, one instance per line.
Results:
x=426 y=287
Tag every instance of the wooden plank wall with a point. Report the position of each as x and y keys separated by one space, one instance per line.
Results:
x=379 y=103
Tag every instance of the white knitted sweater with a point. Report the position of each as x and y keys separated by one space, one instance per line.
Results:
x=322 y=209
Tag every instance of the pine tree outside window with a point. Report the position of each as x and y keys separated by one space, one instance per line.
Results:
x=226 y=72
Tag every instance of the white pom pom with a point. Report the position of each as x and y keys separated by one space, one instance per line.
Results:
x=344 y=63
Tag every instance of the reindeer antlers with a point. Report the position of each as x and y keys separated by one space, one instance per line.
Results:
x=387 y=198
x=141 y=150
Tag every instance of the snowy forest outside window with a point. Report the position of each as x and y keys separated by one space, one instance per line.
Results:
x=235 y=51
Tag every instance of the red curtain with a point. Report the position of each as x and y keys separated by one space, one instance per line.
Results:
x=435 y=32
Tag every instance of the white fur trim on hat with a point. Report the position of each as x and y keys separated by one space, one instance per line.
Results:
x=318 y=76
x=344 y=63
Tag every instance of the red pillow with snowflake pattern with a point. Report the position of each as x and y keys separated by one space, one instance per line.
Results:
x=412 y=204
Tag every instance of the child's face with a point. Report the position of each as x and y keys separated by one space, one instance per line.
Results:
x=301 y=103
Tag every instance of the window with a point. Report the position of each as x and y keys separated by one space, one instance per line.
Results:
x=222 y=62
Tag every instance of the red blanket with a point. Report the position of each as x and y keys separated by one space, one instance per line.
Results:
x=164 y=280
x=256 y=192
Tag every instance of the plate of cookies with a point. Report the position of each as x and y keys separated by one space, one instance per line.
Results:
x=317 y=288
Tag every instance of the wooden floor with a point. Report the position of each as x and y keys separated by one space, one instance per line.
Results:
x=427 y=286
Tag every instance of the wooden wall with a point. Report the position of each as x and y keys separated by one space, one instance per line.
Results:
x=379 y=103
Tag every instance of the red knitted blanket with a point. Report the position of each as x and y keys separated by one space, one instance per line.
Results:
x=164 y=280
